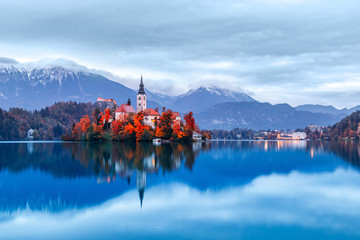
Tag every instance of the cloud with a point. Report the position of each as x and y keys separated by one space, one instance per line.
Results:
x=287 y=44
x=8 y=60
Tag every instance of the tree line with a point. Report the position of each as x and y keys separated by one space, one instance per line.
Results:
x=347 y=128
x=47 y=124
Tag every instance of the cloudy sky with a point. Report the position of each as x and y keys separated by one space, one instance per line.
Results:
x=294 y=51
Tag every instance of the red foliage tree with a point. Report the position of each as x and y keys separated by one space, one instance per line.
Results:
x=139 y=127
x=164 y=128
x=117 y=127
x=189 y=127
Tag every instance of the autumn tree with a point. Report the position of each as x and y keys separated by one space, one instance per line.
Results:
x=189 y=127
x=129 y=132
x=107 y=116
x=116 y=129
x=139 y=127
x=178 y=134
x=164 y=129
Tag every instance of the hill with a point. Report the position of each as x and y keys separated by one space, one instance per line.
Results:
x=49 y=123
x=348 y=127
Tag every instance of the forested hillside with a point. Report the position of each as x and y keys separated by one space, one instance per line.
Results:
x=48 y=123
x=348 y=127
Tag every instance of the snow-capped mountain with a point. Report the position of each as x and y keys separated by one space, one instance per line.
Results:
x=40 y=84
x=33 y=86
x=204 y=97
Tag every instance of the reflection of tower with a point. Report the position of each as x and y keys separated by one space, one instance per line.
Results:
x=30 y=147
x=141 y=184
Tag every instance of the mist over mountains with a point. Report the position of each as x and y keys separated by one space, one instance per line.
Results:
x=35 y=86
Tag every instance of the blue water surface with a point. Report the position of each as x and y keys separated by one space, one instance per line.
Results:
x=212 y=190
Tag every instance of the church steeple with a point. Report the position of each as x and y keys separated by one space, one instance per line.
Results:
x=141 y=97
x=141 y=87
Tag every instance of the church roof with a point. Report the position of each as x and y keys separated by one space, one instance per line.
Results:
x=150 y=112
x=125 y=108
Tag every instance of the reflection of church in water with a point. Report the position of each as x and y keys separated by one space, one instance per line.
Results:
x=149 y=166
x=109 y=161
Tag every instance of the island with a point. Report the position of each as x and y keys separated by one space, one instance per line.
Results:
x=144 y=124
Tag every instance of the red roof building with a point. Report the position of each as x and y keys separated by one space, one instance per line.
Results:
x=124 y=111
x=151 y=112
x=150 y=117
x=125 y=108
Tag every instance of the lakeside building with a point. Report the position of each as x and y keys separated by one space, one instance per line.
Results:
x=197 y=136
x=292 y=136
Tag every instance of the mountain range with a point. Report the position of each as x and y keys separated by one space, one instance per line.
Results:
x=316 y=108
x=256 y=115
x=36 y=86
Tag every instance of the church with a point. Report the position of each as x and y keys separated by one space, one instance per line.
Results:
x=126 y=111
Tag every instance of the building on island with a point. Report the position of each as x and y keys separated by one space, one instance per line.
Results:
x=124 y=111
x=150 y=117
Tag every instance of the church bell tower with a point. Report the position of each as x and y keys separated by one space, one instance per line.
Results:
x=141 y=97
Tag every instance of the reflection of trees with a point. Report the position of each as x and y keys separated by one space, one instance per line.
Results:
x=109 y=160
x=347 y=150
x=48 y=157
x=103 y=160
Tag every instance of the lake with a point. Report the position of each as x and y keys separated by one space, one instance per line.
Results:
x=212 y=190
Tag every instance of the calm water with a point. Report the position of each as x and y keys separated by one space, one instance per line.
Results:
x=217 y=190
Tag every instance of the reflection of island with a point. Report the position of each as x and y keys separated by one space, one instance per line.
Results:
x=104 y=162
x=110 y=160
